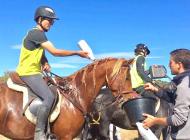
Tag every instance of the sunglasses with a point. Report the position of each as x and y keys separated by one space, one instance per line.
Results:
x=51 y=21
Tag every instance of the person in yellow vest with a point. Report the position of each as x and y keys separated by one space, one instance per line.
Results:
x=139 y=75
x=33 y=61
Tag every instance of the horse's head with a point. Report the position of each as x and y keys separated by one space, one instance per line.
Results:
x=118 y=76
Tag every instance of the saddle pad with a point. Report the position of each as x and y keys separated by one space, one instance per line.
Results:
x=26 y=95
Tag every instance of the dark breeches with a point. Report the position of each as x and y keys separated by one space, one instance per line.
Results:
x=40 y=88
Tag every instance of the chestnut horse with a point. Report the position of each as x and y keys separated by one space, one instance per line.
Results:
x=86 y=84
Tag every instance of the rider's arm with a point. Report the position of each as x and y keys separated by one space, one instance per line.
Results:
x=141 y=70
x=164 y=93
x=58 y=52
x=39 y=38
x=167 y=92
x=182 y=103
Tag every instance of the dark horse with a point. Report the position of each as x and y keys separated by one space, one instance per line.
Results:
x=86 y=84
x=106 y=113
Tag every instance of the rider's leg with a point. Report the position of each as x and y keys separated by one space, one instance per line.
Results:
x=40 y=88
x=42 y=118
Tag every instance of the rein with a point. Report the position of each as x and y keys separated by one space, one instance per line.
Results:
x=67 y=96
x=117 y=100
x=70 y=97
x=113 y=78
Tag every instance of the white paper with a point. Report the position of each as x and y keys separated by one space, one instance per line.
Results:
x=145 y=133
x=85 y=47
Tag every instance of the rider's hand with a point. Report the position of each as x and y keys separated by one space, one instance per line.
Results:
x=149 y=86
x=83 y=54
x=46 y=67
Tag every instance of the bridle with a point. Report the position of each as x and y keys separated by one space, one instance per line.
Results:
x=119 y=98
x=110 y=82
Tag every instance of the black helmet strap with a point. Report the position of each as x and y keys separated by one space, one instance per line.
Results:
x=45 y=30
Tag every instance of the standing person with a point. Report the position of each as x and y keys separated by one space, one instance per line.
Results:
x=180 y=119
x=139 y=76
x=33 y=61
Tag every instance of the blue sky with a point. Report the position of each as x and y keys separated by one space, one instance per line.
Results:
x=111 y=28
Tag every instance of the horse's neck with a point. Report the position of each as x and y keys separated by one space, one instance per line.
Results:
x=88 y=83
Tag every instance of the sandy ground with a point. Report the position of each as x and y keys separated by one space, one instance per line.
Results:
x=128 y=134
x=3 y=138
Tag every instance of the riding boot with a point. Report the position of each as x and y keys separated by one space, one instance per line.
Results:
x=42 y=118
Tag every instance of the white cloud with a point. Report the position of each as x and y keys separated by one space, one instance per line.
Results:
x=118 y=54
x=59 y=65
x=74 y=61
x=122 y=55
x=79 y=60
x=154 y=57
x=16 y=47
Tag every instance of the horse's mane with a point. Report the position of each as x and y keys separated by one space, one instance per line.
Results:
x=100 y=61
x=93 y=65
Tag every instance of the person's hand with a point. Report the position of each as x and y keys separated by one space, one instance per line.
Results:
x=149 y=121
x=46 y=67
x=149 y=86
x=83 y=54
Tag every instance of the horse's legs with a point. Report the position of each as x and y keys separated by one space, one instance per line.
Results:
x=164 y=111
x=166 y=133
x=157 y=130
x=139 y=137
x=104 y=130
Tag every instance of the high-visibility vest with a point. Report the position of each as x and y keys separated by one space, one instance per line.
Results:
x=29 y=61
x=136 y=80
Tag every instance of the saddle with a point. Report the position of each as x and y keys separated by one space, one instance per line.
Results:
x=16 y=79
x=30 y=101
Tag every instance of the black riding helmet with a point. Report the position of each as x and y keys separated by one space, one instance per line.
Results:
x=45 y=12
x=142 y=48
